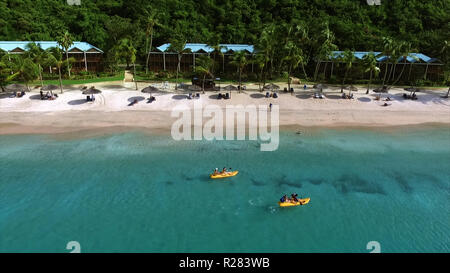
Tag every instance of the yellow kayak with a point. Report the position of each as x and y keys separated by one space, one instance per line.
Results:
x=293 y=204
x=223 y=175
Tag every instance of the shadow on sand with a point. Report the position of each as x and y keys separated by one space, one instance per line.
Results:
x=333 y=96
x=77 y=102
x=257 y=95
x=35 y=97
x=214 y=97
x=365 y=99
x=303 y=96
x=6 y=95
x=179 y=97
x=138 y=98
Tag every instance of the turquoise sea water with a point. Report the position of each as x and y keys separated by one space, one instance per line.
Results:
x=138 y=193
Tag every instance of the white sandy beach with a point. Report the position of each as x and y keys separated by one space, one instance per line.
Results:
x=71 y=112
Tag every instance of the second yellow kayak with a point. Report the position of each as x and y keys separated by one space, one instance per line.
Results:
x=223 y=175
x=292 y=204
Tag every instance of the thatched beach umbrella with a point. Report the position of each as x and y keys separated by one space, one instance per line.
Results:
x=271 y=86
x=410 y=89
x=150 y=89
x=14 y=87
x=230 y=87
x=195 y=88
x=351 y=88
x=91 y=91
x=383 y=89
x=49 y=87
x=319 y=87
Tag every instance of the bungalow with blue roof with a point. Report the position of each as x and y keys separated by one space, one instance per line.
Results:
x=87 y=57
x=163 y=59
x=416 y=66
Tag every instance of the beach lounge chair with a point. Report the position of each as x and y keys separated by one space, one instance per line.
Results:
x=318 y=96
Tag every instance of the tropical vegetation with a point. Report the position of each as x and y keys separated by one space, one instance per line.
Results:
x=292 y=38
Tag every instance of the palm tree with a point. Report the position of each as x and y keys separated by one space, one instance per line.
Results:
x=126 y=52
x=395 y=57
x=217 y=50
x=388 y=44
x=267 y=45
x=178 y=45
x=239 y=60
x=405 y=50
x=260 y=60
x=348 y=58
x=5 y=72
x=293 y=59
x=151 y=23
x=325 y=49
x=55 y=59
x=204 y=67
x=263 y=48
x=370 y=65
x=445 y=56
x=302 y=39
x=38 y=55
x=66 y=41
x=24 y=68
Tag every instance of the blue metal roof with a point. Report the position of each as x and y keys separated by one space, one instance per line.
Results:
x=206 y=48
x=360 y=55
x=11 y=45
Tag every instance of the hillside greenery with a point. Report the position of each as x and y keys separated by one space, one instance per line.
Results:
x=292 y=34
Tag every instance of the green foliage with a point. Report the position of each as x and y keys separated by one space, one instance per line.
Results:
x=24 y=68
x=323 y=25
x=126 y=52
x=355 y=24
x=5 y=71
